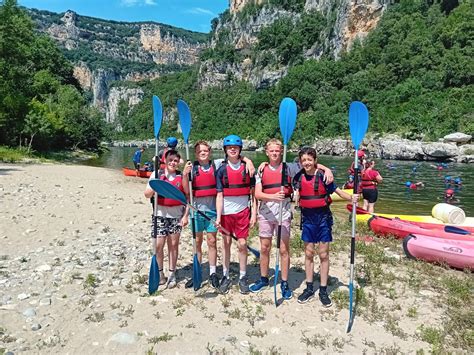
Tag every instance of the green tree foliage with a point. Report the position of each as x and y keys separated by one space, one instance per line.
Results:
x=39 y=98
x=414 y=71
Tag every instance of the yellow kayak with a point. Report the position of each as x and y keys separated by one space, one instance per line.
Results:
x=469 y=221
x=336 y=198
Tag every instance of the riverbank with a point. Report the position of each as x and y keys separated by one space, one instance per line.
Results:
x=454 y=147
x=74 y=265
x=23 y=156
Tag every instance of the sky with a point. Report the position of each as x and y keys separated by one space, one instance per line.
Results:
x=195 y=15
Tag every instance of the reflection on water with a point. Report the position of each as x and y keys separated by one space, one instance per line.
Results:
x=394 y=197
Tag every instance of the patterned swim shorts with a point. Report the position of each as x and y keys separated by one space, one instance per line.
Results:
x=165 y=226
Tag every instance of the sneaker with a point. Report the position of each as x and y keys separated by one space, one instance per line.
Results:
x=214 y=281
x=286 y=292
x=171 y=283
x=260 y=285
x=189 y=283
x=306 y=296
x=325 y=300
x=244 y=285
x=225 y=285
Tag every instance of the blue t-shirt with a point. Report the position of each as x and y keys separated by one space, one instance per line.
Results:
x=137 y=157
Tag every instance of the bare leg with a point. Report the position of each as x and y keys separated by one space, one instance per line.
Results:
x=173 y=243
x=265 y=247
x=371 y=207
x=285 y=257
x=199 y=238
x=309 y=261
x=324 y=259
x=227 y=242
x=242 y=245
x=212 y=248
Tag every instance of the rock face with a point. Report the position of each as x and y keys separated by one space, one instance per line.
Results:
x=458 y=137
x=131 y=96
x=352 y=21
x=110 y=51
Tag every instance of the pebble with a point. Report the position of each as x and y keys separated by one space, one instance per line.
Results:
x=123 y=338
x=29 y=312
x=35 y=326
x=43 y=268
x=45 y=302
x=23 y=296
x=275 y=331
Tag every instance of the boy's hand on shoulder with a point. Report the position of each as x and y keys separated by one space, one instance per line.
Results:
x=262 y=166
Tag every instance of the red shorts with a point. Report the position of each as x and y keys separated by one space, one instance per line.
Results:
x=237 y=224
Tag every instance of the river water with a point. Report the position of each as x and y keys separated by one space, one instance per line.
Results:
x=394 y=197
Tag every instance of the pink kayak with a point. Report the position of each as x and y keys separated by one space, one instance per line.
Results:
x=456 y=253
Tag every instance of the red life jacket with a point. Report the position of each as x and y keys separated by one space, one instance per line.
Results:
x=177 y=182
x=313 y=192
x=204 y=182
x=271 y=180
x=235 y=182
x=367 y=182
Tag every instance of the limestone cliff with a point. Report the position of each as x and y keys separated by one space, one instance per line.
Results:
x=106 y=51
x=345 y=22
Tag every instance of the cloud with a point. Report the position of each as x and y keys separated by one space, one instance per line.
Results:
x=200 y=11
x=131 y=3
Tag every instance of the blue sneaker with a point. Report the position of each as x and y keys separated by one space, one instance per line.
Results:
x=286 y=292
x=260 y=285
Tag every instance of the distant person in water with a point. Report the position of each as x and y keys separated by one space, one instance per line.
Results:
x=448 y=179
x=137 y=158
x=349 y=183
x=414 y=185
x=449 y=197
x=458 y=181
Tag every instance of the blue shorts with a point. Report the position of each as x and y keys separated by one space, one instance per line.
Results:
x=317 y=225
x=202 y=224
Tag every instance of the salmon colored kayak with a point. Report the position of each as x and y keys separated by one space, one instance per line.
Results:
x=456 y=253
x=423 y=221
x=133 y=172
x=401 y=229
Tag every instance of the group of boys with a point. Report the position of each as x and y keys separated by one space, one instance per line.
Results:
x=228 y=193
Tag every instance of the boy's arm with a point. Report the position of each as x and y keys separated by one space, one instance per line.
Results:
x=250 y=168
x=219 y=205
x=253 y=216
x=352 y=198
x=328 y=175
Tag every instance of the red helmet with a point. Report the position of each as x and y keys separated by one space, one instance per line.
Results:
x=360 y=154
x=449 y=192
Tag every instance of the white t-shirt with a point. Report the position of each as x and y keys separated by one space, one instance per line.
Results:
x=235 y=204
x=168 y=211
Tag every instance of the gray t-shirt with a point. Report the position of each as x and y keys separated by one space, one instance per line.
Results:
x=168 y=211
x=270 y=210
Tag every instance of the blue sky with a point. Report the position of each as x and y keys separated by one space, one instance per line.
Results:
x=193 y=15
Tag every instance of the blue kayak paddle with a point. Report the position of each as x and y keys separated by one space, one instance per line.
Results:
x=167 y=190
x=185 y=123
x=358 y=124
x=287 y=120
x=154 y=274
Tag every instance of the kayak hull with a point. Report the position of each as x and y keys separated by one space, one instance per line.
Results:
x=423 y=221
x=401 y=229
x=456 y=253
x=133 y=172
x=336 y=198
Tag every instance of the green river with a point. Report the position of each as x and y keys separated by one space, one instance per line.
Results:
x=394 y=197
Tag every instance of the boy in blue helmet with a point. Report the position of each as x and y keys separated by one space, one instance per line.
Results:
x=171 y=144
x=235 y=193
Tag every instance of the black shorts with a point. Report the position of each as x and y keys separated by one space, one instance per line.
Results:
x=370 y=195
x=137 y=165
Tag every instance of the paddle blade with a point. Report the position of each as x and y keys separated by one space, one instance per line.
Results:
x=197 y=274
x=255 y=252
x=157 y=115
x=457 y=230
x=165 y=189
x=184 y=119
x=287 y=117
x=358 y=122
x=154 y=276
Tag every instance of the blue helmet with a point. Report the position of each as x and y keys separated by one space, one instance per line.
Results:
x=447 y=178
x=457 y=180
x=172 y=142
x=408 y=184
x=232 y=140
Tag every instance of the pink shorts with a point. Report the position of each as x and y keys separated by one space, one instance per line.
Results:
x=267 y=229
x=237 y=224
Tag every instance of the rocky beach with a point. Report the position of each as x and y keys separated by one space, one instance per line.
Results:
x=74 y=258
